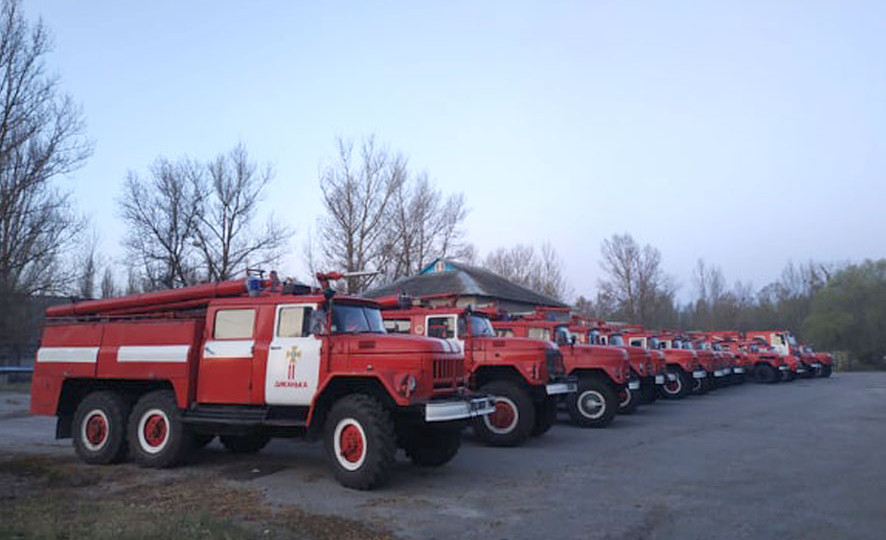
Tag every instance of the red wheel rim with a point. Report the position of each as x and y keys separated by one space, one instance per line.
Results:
x=155 y=430
x=503 y=416
x=96 y=430
x=351 y=443
x=673 y=386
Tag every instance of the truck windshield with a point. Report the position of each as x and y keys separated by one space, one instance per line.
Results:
x=654 y=343
x=349 y=319
x=791 y=340
x=617 y=340
x=562 y=335
x=481 y=327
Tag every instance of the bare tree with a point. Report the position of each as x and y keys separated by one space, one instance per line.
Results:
x=193 y=222
x=86 y=280
x=540 y=270
x=41 y=138
x=357 y=194
x=225 y=236
x=108 y=288
x=423 y=227
x=162 y=215
x=636 y=287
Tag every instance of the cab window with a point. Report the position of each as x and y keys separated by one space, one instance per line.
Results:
x=441 y=327
x=504 y=332
x=234 y=324
x=294 y=321
x=398 y=326
x=539 y=333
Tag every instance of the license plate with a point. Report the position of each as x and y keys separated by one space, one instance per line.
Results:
x=659 y=379
x=634 y=385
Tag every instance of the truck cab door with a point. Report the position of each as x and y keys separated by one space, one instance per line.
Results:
x=444 y=327
x=225 y=370
x=294 y=355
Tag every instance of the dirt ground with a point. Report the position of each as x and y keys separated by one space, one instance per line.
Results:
x=800 y=460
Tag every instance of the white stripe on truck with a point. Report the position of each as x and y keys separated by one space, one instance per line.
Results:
x=235 y=348
x=153 y=353
x=78 y=355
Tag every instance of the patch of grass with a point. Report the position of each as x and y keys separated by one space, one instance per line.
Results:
x=44 y=497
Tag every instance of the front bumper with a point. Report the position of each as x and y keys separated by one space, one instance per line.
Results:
x=660 y=379
x=784 y=368
x=458 y=409
x=699 y=374
x=564 y=387
x=738 y=370
x=817 y=365
x=633 y=384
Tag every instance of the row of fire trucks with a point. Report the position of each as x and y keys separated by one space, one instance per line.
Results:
x=154 y=376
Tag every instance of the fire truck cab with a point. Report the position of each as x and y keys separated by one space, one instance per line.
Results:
x=604 y=380
x=525 y=376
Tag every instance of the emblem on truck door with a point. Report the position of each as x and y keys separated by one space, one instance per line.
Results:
x=292 y=356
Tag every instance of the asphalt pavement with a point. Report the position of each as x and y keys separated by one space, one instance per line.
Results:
x=796 y=460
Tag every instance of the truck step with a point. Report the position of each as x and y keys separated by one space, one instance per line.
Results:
x=246 y=415
x=243 y=415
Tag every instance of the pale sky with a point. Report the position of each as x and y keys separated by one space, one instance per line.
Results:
x=745 y=133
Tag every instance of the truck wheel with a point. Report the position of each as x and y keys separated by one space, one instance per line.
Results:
x=245 y=444
x=545 y=416
x=99 y=433
x=627 y=401
x=764 y=373
x=513 y=419
x=593 y=405
x=360 y=441
x=432 y=446
x=678 y=388
x=826 y=370
x=157 y=436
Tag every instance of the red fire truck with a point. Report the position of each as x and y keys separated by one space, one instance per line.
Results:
x=682 y=366
x=786 y=345
x=643 y=368
x=525 y=376
x=605 y=385
x=156 y=374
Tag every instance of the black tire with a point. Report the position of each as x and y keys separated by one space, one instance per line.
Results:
x=99 y=428
x=826 y=370
x=702 y=386
x=245 y=444
x=514 y=417
x=765 y=373
x=432 y=446
x=201 y=440
x=628 y=400
x=648 y=391
x=157 y=436
x=708 y=383
x=594 y=405
x=360 y=441
x=545 y=416
x=788 y=376
x=677 y=389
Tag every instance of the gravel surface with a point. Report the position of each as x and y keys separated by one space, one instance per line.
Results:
x=797 y=460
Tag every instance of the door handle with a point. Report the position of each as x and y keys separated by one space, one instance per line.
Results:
x=275 y=347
